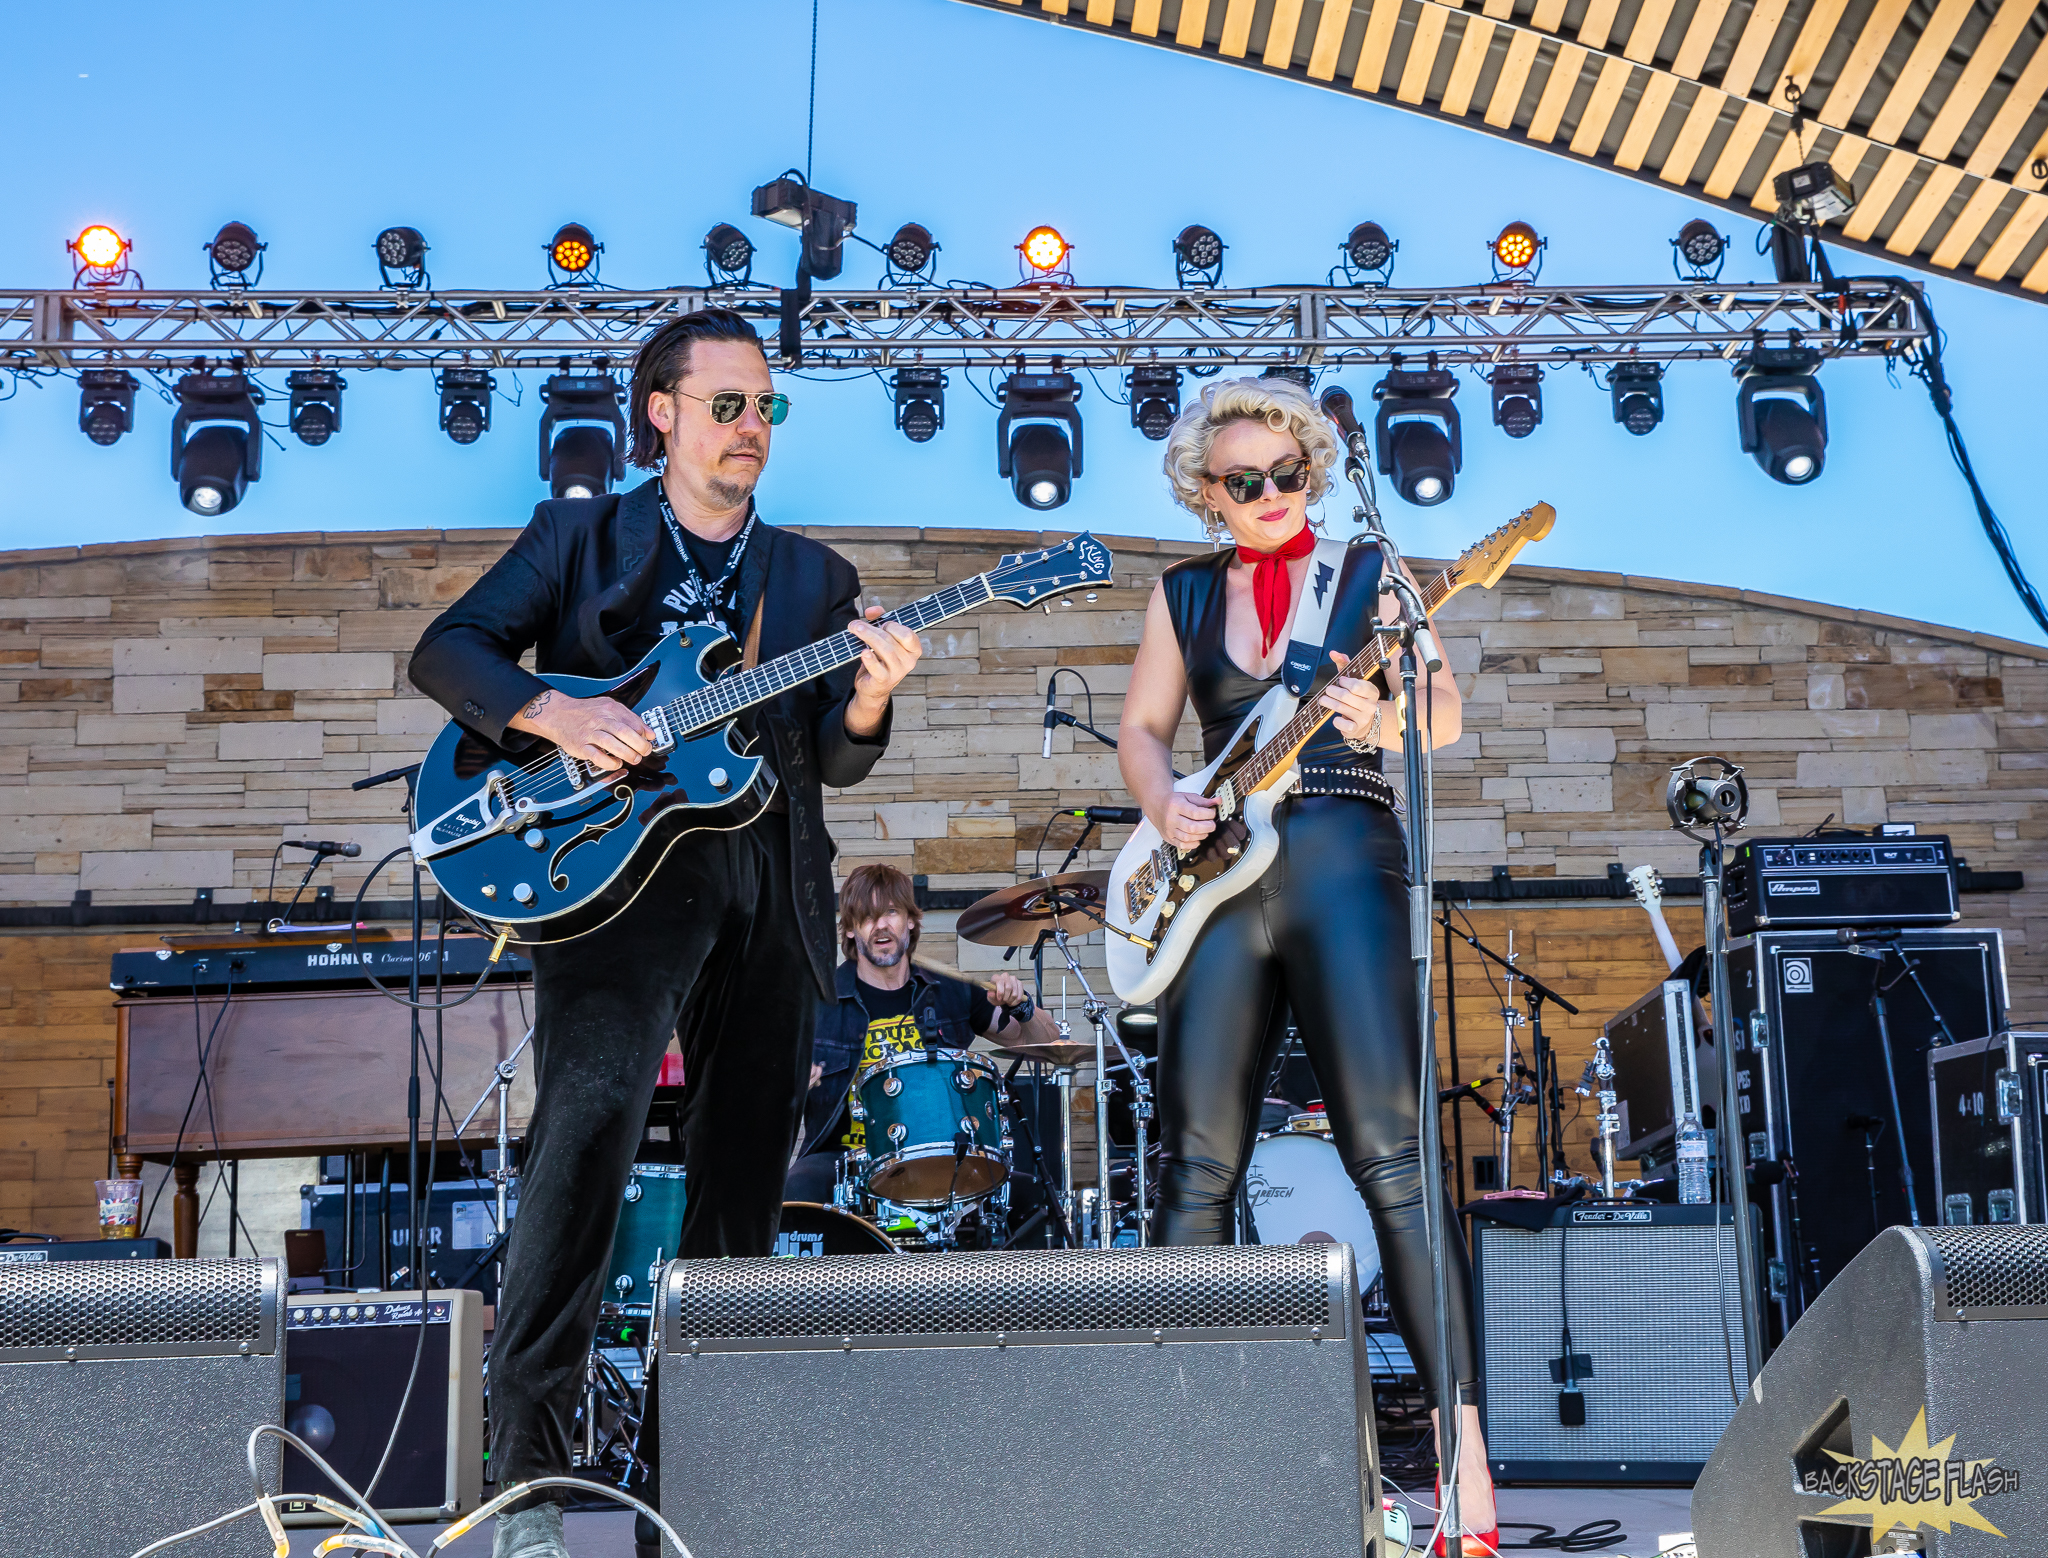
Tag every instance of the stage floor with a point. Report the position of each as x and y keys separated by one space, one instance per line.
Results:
x=1651 y=1520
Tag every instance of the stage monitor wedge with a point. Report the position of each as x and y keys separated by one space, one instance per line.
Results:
x=1906 y=1400
x=1165 y=1403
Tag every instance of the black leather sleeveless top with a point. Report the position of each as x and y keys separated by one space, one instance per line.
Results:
x=1223 y=691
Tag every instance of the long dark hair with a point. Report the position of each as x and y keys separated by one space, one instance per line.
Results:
x=663 y=361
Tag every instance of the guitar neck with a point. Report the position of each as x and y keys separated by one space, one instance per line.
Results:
x=722 y=699
x=1270 y=763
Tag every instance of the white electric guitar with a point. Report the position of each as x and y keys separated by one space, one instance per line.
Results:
x=1649 y=890
x=1159 y=896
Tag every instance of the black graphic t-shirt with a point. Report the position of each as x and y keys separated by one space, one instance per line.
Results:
x=892 y=1030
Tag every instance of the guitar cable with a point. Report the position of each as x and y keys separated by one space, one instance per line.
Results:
x=355 y=933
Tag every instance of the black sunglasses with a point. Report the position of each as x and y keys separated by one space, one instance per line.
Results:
x=1289 y=476
x=728 y=406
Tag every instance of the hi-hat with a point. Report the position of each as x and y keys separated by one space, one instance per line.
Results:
x=1013 y=916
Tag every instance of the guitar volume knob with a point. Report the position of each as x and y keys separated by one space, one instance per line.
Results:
x=523 y=894
x=1187 y=881
x=533 y=838
x=720 y=779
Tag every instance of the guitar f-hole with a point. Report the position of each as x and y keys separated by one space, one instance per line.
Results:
x=623 y=794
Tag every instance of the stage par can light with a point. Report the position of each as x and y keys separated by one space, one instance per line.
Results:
x=1417 y=437
x=315 y=414
x=1517 y=399
x=728 y=256
x=1781 y=414
x=911 y=250
x=582 y=434
x=234 y=252
x=1044 y=250
x=573 y=252
x=1700 y=245
x=100 y=256
x=1198 y=256
x=216 y=441
x=106 y=404
x=1154 y=391
x=402 y=257
x=1369 y=247
x=1637 y=392
x=1516 y=248
x=920 y=395
x=466 y=403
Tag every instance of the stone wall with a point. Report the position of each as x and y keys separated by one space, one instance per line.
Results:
x=170 y=710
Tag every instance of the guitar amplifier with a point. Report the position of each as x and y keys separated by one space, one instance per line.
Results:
x=1989 y=1101
x=1784 y=884
x=26 y=1253
x=1650 y=1294
x=1219 y=1399
x=347 y=1357
x=129 y=1389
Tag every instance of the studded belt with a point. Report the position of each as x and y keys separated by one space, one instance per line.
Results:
x=1358 y=783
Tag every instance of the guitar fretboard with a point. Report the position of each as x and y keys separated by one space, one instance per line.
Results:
x=722 y=699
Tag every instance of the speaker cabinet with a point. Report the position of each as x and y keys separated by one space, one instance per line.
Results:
x=128 y=1391
x=1650 y=1294
x=347 y=1357
x=1163 y=1403
x=1906 y=1399
x=1813 y=1080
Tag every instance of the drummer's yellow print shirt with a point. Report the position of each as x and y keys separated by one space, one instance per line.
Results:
x=891 y=1030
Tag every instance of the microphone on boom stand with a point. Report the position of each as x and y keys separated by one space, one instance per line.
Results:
x=1052 y=715
x=323 y=847
x=1336 y=404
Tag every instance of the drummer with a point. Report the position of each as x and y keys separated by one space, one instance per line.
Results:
x=887 y=1006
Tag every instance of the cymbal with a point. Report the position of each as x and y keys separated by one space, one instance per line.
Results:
x=1013 y=916
x=1057 y=1053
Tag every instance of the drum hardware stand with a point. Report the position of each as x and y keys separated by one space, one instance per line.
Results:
x=1419 y=649
x=1096 y=1011
x=501 y=1084
x=1720 y=804
x=1054 y=1206
x=1549 y=1092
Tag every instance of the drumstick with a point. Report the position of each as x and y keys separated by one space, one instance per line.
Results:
x=934 y=966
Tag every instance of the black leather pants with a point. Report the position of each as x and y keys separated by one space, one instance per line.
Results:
x=712 y=949
x=1326 y=933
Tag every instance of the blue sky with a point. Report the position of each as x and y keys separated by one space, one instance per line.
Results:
x=487 y=129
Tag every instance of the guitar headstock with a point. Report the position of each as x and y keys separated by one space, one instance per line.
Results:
x=1648 y=887
x=1487 y=559
x=1026 y=578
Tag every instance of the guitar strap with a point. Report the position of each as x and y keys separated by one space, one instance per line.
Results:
x=750 y=656
x=1305 y=648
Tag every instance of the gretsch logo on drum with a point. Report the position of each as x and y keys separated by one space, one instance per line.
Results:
x=1259 y=1190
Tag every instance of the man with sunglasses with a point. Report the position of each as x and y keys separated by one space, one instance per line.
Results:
x=730 y=946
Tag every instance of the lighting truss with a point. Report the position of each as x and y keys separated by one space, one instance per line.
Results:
x=967 y=327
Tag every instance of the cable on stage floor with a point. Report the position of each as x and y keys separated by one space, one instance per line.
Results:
x=375 y=1534
x=1591 y=1537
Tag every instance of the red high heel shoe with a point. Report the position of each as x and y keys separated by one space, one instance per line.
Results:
x=1472 y=1544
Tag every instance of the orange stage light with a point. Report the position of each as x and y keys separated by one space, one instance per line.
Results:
x=1044 y=249
x=573 y=248
x=1516 y=246
x=101 y=247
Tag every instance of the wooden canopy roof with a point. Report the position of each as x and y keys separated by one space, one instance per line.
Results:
x=1933 y=109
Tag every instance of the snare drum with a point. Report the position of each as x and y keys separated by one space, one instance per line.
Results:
x=1300 y=1194
x=914 y=1106
x=650 y=1228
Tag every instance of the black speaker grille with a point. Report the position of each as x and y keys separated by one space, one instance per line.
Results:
x=132 y=1303
x=1993 y=1268
x=1019 y=1290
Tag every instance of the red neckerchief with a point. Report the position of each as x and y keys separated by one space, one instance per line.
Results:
x=1271 y=591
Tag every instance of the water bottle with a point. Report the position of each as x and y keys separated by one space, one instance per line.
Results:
x=1693 y=1186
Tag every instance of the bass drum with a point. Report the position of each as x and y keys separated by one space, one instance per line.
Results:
x=1299 y=1194
x=810 y=1229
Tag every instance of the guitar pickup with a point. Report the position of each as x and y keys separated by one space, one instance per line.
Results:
x=657 y=720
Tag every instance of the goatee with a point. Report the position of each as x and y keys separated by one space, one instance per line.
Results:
x=887 y=959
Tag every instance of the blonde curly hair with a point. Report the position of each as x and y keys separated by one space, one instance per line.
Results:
x=1281 y=404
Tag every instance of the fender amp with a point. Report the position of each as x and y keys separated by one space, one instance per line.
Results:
x=129 y=1390
x=1649 y=1294
x=347 y=1358
x=1787 y=884
x=1902 y=1413
x=1163 y=1403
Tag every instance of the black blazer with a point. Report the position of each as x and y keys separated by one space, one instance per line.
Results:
x=576 y=582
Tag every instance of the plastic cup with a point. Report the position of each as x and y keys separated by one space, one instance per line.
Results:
x=120 y=1208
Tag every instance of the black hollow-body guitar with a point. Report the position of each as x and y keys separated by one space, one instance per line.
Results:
x=545 y=848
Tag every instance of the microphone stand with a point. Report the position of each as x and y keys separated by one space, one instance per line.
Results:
x=1419 y=649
